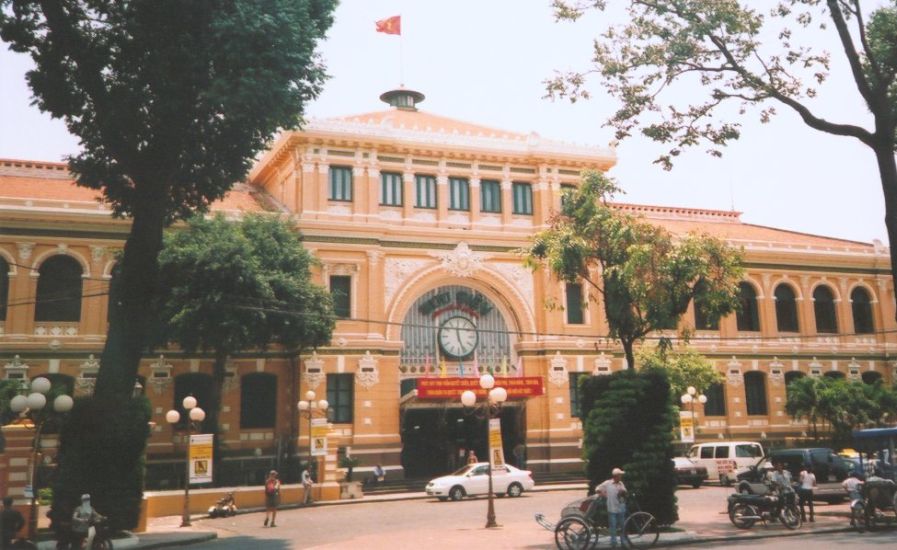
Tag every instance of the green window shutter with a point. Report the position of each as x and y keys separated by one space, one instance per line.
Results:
x=490 y=196
x=341 y=397
x=341 y=291
x=459 y=194
x=426 y=191
x=340 y=183
x=390 y=189
x=523 y=198
x=574 y=304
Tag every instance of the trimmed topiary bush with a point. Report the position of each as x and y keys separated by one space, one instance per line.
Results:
x=628 y=423
x=90 y=435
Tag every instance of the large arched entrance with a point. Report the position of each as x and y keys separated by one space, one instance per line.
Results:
x=453 y=332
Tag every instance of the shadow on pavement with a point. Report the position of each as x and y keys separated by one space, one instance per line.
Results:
x=244 y=541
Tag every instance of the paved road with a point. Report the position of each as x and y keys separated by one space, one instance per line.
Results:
x=880 y=540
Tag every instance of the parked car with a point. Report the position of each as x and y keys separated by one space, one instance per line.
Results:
x=689 y=473
x=825 y=463
x=723 y=458
x=472 y=480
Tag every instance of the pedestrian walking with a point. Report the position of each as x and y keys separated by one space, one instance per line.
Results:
x=614 y=492
x=805 y=492
x=307 y=484
x=272 y=498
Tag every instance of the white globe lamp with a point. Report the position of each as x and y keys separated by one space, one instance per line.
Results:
x=172 y=417
x=197 y=414
x=189 y=402
x=63 y=403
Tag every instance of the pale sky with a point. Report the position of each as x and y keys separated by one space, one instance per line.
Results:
x=483 y=61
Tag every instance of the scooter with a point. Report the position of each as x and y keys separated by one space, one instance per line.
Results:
x=226 y=506
x=780 y=504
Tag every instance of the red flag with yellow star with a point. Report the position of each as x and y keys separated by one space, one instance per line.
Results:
x=390 y=25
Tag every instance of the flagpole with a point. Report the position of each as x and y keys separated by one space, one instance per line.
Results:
x=401 y=62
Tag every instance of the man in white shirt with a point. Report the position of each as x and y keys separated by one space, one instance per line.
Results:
x=805 y=492
x=852 y=485
x=780 y=476
x=615 y=492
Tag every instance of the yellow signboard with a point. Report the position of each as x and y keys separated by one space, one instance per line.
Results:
x=686 y=427
x=201 y=458
x=319 y=430
x=496 y=452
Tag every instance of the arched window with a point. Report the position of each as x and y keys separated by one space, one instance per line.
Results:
x=834 y=375
x=197 y=384
x=793 y=375
x=755 y=393
x=871 y=377
x=861 y=304
x=716 y=400
x=258 y=400
x=703 y=320
x=4 y=288
x=59 y=290
x=824 y=309
x=748 y=316
x=786 y=309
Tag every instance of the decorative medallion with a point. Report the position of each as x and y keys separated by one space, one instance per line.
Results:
x=462 y=261
x=815 y=368
x=160 y=375
x=87 y=378
x=853 y=369
x=367 y=374
x=15 y=369
x=231 y=380
x=557 y=370
x=25 y=250
x=602 y=365
x=313 y=374
x=733 y=372
x=776 y=371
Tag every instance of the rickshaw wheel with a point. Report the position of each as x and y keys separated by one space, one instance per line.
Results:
x=574 y=534
x=640 y=530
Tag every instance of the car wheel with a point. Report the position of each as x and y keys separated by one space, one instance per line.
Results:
x=515 y=490
x=696 y=484
x=457 y=493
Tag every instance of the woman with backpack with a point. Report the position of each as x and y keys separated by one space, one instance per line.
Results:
x=272 y=497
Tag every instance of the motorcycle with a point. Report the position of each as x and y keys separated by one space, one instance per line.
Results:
x=779 y=504
x=226 y=506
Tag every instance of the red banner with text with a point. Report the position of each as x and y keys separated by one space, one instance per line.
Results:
x=518 y=387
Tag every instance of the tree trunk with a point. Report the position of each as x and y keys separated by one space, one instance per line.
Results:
x=292 y=470
x=131 y=295
x=627 y=351
x=213 y=414
x=887 y=169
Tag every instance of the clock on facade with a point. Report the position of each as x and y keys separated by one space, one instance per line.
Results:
x=458 y=337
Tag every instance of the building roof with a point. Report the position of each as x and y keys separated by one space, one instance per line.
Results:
x=728 y=225
x=49 y=184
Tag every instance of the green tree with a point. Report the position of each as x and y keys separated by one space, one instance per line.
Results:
x=758 y=59
x=803 y=401
x=684 y=366
x=644 y=277
x=628 y=423
x=228 y=287
x=172 y=100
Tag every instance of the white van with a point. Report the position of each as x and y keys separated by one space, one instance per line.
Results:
x=723 y=458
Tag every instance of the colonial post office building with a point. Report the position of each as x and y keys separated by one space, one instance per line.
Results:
x=417 y=220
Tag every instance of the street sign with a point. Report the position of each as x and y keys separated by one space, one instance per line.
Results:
x=686 y=427
x=319 y=429
x=496 y=452
x=201 y=458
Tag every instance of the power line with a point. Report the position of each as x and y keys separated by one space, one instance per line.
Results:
x=31 y=268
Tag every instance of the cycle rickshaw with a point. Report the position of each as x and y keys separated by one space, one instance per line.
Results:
x=583 y=522
x=879 y=491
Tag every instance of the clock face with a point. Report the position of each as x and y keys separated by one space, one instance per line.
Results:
x=458 y=337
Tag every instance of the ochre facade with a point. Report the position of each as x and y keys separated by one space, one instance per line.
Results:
x=403 y=234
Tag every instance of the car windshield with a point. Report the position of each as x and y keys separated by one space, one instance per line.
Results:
x=463 y=470
x=683 y=462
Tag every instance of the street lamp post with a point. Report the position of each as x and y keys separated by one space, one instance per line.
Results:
x=195 y=416
x=32 y=407
x=309 y=407
x=689 y=398
x=488 y=410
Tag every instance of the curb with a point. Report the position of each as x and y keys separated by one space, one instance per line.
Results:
x=398 y=498
x=758 y=536
x=205 y=536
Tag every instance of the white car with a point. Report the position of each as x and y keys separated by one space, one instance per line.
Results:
x=473 y=480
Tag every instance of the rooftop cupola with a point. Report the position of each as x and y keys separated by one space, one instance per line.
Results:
x=403 y=99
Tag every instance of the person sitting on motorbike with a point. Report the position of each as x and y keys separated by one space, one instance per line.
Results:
x=779 y=476
x=11 y=522
x=83 y=519
x=853 y=486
